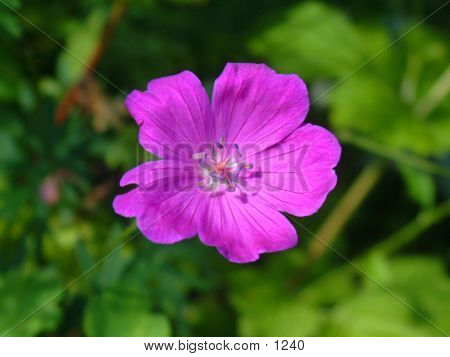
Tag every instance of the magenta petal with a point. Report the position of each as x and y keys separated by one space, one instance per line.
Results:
x=255 y=107
x=172 y=218
x=165 y=201
x=296 y=175
x=242 y=230
x=129 y=204
x=161 y=175
x=174 y=114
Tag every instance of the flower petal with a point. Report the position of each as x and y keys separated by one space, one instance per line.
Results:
x=242 y=230
x=171 y=219
x=174 y=114
x=255 y=106
x=160 y=175
x=129 y=204
x=296 y=175
x=165 y=201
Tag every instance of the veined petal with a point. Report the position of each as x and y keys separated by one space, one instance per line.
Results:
x=255 y=107
x=160 y=175
x=243 y=229
x=174 y=114
x=172 y=218
x=296 y=175
x=165 y=201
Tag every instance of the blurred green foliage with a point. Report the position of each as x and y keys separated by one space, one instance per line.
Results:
x=70 y=266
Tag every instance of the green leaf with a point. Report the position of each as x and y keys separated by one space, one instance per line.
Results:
x=330 y=288
x=281 y=318
x=29 y=301
x=375 y=313
x=369 y=104
x=15 y=4
x=381 y=85
x=11 y=77
x=80 y=45
x=10 y=23
x=188 y=2
x=122 y=151
x=420 y=186
x=266 y=307
x=313 y=40
x=407 y=288
x=115 y=315
x=427 y=284
x=9 y=150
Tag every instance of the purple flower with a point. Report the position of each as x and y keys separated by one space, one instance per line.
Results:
x=226 y=170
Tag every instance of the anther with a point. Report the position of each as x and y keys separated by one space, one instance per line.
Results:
x=246 y=166
x=198 y=155
x=201 y=156
x=231 y=186
x=216 y=176
x=236 y=147
x=219 y=168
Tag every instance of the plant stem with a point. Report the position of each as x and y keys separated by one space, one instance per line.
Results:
x=73 y=94
x=435 y=95
x=408 y=88
x=395 y=155
x=406 y=234
x=342 y=213
x=413 y=229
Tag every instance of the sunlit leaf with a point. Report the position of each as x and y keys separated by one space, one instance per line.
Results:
x=312 y=40
x=420 y=186
x=113 y=315
x=29 y=301
x=80 y=46
x=405 y=297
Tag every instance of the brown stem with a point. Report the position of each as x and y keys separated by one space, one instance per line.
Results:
x=116 y=15
x=72 y=95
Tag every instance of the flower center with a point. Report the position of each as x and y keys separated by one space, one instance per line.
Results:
x=220 y=167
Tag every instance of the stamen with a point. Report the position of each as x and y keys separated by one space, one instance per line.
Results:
x=202 y=162
x=236 y=147
x=219 y=168
x=233 y=164
x=216 y=176
x=219 y=145
x=231 y=186
x=198 y=155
